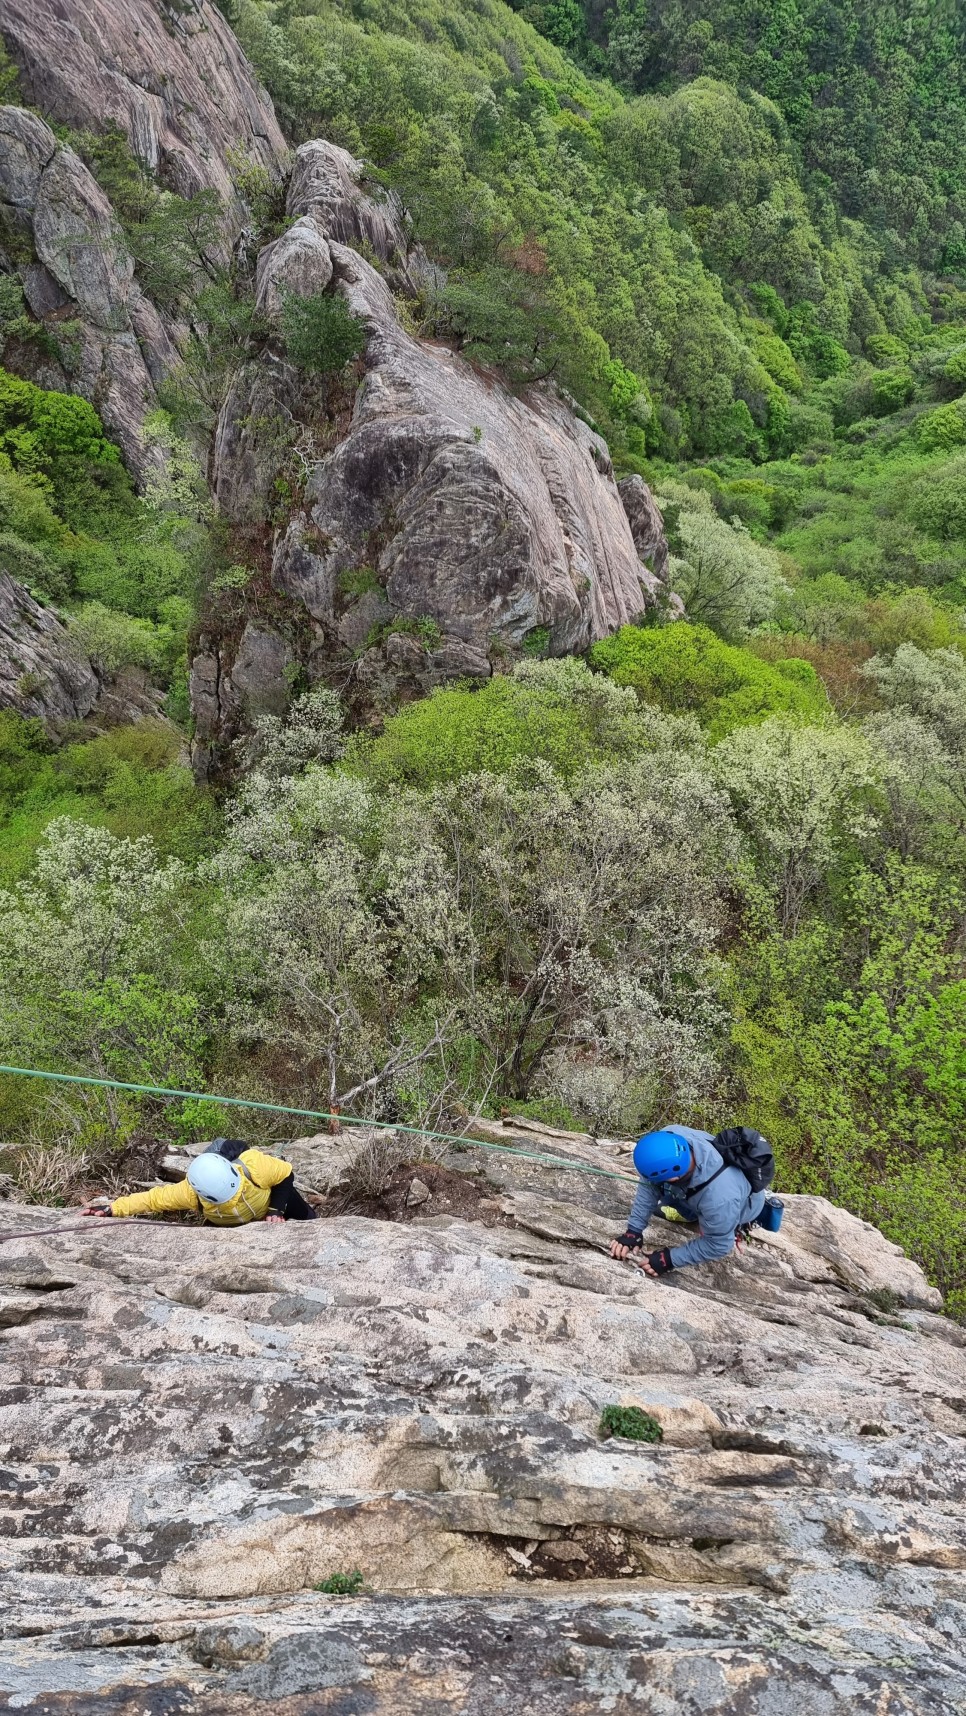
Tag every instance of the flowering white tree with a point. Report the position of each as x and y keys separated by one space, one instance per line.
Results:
x=89 y=968
x=725 y=579
x=510 y=930
x=804 y=795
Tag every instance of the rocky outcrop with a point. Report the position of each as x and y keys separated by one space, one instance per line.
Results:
x=42 y=674
x=175 y=80
x=58 y=233
x=200 y=1426
x=450 y=522
x=171 y=75
x=647 y=525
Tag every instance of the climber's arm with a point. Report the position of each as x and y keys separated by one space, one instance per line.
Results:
x=157 y=1201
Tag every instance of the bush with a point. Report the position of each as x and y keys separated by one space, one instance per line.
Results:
x=685 y=669
x=939 y=502
x=113 y=640
x=555 y=711
x=321 y=334
x=942 y=429
x=341 y=1585
x=630 y=1422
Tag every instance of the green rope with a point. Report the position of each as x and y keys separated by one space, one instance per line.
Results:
x=317 y=1114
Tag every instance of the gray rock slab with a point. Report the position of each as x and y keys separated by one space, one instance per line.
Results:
x=199 y=1427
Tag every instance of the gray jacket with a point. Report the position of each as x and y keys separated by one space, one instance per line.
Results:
x=719 y=1209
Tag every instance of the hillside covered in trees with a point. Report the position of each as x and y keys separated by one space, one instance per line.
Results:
x=713 y=869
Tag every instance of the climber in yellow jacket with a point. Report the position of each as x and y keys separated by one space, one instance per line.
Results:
x=228 y=1183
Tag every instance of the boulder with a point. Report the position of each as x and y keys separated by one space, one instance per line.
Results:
x=175 y=80
x=856 y=1253
x=647 y=525
x=42 y=673
x=203 y=1426
x=298 y=262
x=326 y=185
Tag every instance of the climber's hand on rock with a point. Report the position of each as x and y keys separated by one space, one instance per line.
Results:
x=629 y=1241
x=97 y=1207
x=274 y=1218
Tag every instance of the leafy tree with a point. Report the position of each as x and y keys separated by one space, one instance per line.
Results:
x=940 y=430
x=555 y=711
x=929 y=685
x=225 y=326
x=939 y=505
x=872 y=94
x=24 y=756
x=114 y=640
x=31 y=567
x=320 y=332
x=725 y=579
x=529 y=916
x=175 y=241
x=804 y=796
x=862 y=1094
x=687 y=669
x=58 y=440
x=87 y=976
x=507 y=318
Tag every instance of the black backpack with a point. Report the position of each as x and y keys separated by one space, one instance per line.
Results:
x=743 y=1148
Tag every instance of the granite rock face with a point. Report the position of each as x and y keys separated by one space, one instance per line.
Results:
x=42 y=674
x=200 y=1426
x=443 y=519
x=61 y=237
x=175 y=80
x=171 y=76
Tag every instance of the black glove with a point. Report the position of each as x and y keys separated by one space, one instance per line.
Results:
x=660 y=1262
x=632 y=1239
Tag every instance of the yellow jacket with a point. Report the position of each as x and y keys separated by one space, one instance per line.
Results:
x=250 y=1203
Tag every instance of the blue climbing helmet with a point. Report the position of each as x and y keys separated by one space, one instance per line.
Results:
x=661 y=1156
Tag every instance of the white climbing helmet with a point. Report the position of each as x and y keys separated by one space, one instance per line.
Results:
x=214 y=1179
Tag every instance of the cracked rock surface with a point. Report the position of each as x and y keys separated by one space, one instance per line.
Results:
x=171 y=76
x=42 y=673
x=199 y=1426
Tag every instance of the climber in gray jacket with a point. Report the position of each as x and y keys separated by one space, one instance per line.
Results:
x=681 y=1168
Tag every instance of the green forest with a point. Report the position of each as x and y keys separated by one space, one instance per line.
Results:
x=715 y=871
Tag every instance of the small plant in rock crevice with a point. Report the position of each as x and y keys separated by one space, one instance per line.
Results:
x=359 y=581
x=631 y=1423
x=884 y=1299
x=341 y=1585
